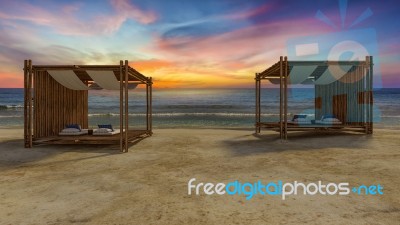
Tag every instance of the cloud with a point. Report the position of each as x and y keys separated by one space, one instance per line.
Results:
x=245 y=14
x=151 y=65
x=231 y=57
x=214 y=24
x=128 y=10
x=75 y=19
x=178 y=43
x=8 y=80
x=244 y=45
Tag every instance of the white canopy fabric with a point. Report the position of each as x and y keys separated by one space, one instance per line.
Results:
x=68 y=79
x=301 y=74
x=274 y=80
x=333 y=73
x=105 y=79
x=132 y=86
x=298 y=74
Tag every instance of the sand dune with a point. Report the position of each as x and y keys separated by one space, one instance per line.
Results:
x=148 y=185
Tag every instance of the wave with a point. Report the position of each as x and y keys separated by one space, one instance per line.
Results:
x=173 y=107
x=187 y=114
x=205 y=106
x=11 y=116
x=5 y=107
x=103 y=114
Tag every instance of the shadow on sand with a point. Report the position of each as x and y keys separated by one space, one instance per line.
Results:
x=297 y=141
x=13 y=154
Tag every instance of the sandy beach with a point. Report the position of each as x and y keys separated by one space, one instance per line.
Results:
x=98 y=185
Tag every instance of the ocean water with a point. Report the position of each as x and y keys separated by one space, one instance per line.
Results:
x=198 y=108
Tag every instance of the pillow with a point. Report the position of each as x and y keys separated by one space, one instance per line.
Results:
x=70 y=130
x=302 y=120
x=328 y=116
x=103 y=130
x=331 y=120
x=108 y=126
x=77 y=126
x=298 y=116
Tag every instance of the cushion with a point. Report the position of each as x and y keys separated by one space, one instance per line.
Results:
x=77 y=126
x=103 y=130
x=108 y=126
x=298 y=116
x=71 y=130
x=328 y=116
x=331 y=120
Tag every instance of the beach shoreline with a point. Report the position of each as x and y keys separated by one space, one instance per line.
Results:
x=85 y=184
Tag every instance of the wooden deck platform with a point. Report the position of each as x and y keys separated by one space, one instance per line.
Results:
x=133 y=135
x=302 y=127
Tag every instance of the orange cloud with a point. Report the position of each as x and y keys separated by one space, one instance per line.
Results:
x=11 y=81
x=151 y=65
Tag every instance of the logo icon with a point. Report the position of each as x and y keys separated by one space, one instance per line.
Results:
x=346 y=44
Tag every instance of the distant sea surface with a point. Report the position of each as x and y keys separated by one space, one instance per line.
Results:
x=199 y=108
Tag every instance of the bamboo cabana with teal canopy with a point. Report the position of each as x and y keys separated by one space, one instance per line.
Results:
x=343 y=90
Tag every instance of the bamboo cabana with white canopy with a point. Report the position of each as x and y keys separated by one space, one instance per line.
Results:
x=343 y=89
x=56 y=95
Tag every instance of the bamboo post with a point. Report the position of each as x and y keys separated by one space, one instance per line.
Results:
x=126 y=106
x=365 y=101
x=280 y=96
x=30 y=102
x=147 y=105
x=151 y=105
x=286 y=94
x=360 y=120
x=371 y=96
x=316 y=101
x=26 y=103
x=257 y=105
x=121 y=105
x=363 y=116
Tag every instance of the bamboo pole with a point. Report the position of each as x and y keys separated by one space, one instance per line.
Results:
x=38 y=99
x=121 y=105
x=257 y=105
x=30 y=103
x=126 y=106
x=286 y=95
x=147 y=106
x=362 y=117
x=54 y=104
x=151 y=105
x=359 y=119
x=317 y=101
x=62 y=102
x=280 y=96
x=371 y=96
x=26 y=104
x=365 y=102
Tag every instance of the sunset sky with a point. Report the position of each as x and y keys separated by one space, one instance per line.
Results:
x=191 y=44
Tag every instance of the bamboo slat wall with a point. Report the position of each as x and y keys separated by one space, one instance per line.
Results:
x=348 y=98
x=55 y=106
